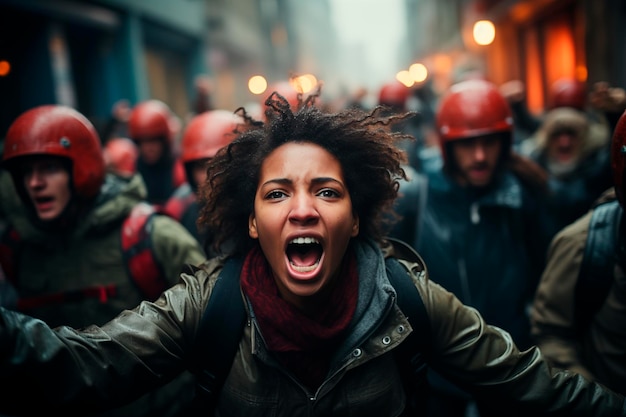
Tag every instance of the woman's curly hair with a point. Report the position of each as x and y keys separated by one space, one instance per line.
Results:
x=362 y=142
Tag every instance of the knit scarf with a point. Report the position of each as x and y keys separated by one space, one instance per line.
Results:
x=304 y=344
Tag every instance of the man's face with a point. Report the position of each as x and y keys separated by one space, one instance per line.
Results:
x=563 y=146
x=151 y=149
x=476 y=160
x=198 y=171
x=47 y=183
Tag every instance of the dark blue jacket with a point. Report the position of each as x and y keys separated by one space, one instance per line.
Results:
x=486 y=246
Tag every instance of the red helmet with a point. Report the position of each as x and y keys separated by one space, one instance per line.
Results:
x=618 y=158
x=567 y=92
x=60 y=131
x=394 y=94
x=473 y=108
x=207 y=133
x=120 y=154
x=150 y=119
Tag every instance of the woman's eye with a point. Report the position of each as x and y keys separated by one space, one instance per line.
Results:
x=328 y=193
x=274 y=195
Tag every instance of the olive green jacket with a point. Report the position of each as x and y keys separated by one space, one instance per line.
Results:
x=103 y=366
x=89 y=256
x=600 y=351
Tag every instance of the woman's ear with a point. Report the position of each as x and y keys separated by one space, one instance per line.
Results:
x=355 y=226
x=252 y=232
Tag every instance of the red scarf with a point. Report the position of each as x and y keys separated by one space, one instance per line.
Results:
x=304 y=344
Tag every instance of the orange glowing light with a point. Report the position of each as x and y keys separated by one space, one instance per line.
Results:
x=5 y=68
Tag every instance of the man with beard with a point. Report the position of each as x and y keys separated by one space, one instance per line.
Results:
x=479 y=222
x=577 y=162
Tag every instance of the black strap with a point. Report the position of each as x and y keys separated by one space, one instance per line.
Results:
x=411 y=303
x=410 y=355
x=218 y=337
x=596 y=271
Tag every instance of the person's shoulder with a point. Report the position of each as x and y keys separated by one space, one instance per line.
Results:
x=403 y=253
x=206 y=273
x=607 y=196
x=169 y=232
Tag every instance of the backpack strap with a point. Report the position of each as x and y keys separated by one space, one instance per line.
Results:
x=179 y=202
x=596 y=271
x=225 y=316
x=138 y=251
x=411 y=303
x=410 y=355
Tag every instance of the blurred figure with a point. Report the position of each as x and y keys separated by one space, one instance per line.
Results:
x=564 y=92
x=576 y=161
x=478 y=222
x=66 y=252
x=356 y=99
x=609 y=100
x=9 y=201
x=203 y=137
x=120 y=156
x=153 y=127
x=394 y=96
x=117 y=124
x=579 y=312
x=423 y=101
x=203 y=91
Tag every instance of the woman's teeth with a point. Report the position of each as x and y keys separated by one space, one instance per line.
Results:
x=304 y=240
x=304 y=268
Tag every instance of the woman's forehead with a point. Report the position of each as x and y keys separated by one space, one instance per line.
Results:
x=301 y=158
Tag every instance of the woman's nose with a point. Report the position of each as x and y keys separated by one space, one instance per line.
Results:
x=303 y=208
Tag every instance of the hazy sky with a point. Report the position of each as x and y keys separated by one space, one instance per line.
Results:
x=377 y=24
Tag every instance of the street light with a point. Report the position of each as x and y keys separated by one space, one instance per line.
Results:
x=418 y=72
x=484 y=32
x=257 y=84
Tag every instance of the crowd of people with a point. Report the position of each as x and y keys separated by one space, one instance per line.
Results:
x=500 y=223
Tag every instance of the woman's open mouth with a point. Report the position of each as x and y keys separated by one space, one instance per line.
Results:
x=304 y=254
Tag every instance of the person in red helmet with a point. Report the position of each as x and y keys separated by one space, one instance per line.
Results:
x=154 y=128
x=477 y=221
x=204 y=136
x=393 y=96
x=565 y=92
x=120 y=156
x=579 y=310
x=64 y=250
